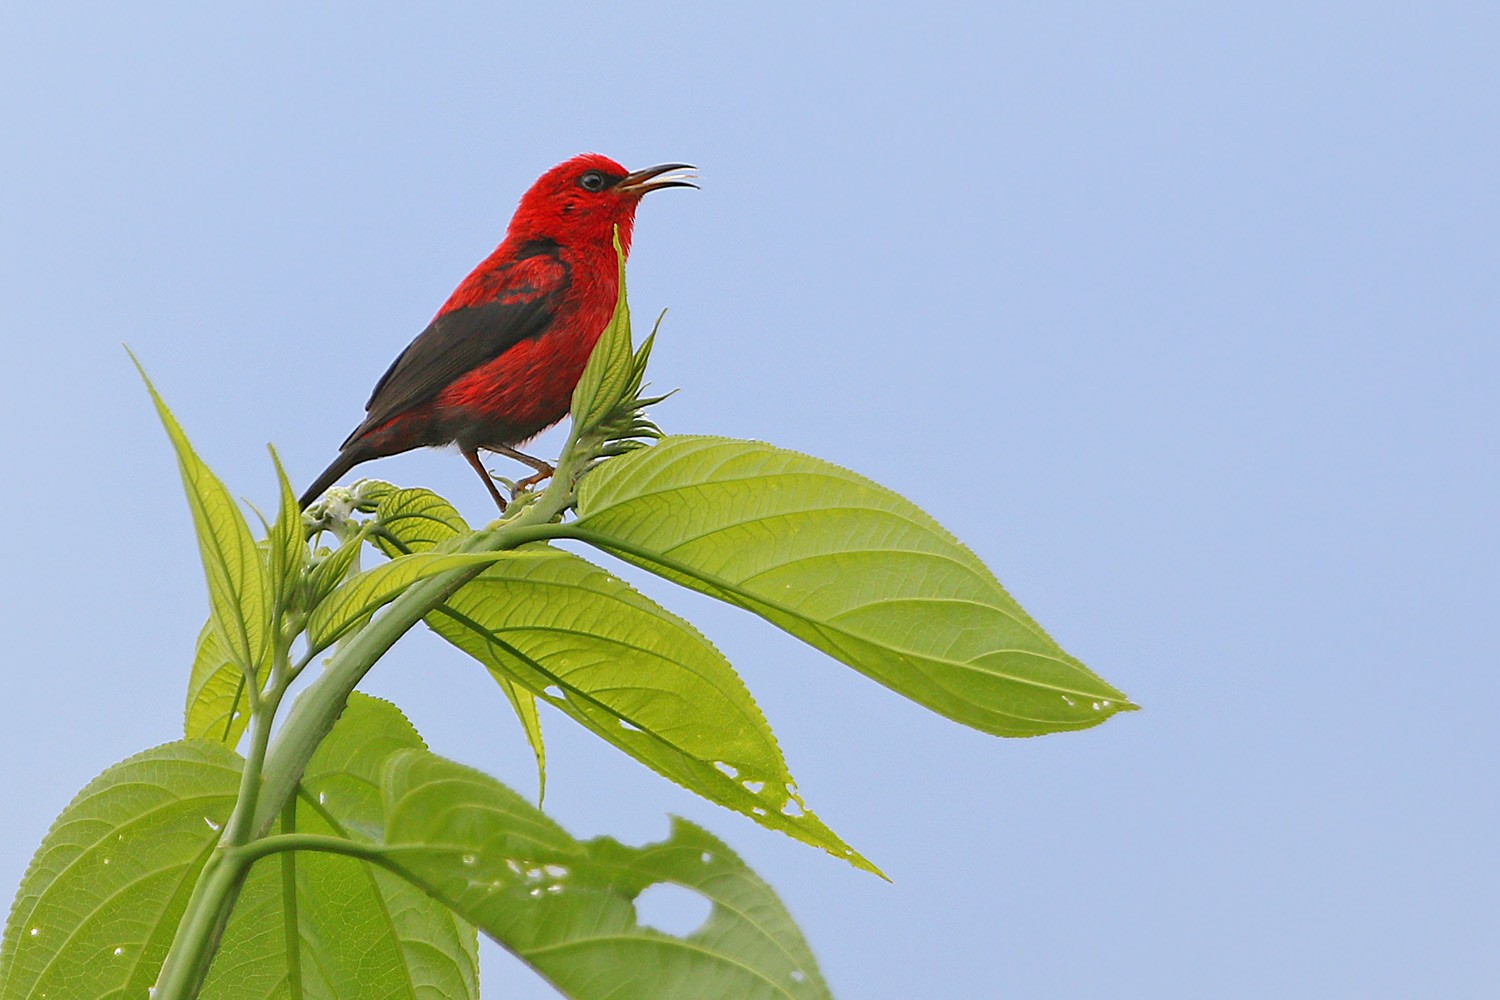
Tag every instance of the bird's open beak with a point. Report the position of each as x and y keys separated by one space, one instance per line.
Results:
x=655 y=178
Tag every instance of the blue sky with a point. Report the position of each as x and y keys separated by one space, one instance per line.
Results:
x=1183 y=316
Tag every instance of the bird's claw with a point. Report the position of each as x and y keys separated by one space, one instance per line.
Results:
x=530 y=481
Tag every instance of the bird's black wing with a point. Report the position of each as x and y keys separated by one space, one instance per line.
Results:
x=530 y=290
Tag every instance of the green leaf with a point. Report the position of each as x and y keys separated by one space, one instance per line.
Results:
x=239 y=593
x=418 y=520
x=100 y=902
x=371 y=590
x=607 y=376
x=847 y=566
x=330 y=570
x=286 y=542
x=524 y=704
x=635 y=674
x=217 y=702
x=217 y=705
x=349 y=928
x=415 y=520
x=547 y=622
x=568 y=908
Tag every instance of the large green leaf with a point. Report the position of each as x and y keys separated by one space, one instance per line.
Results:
x=240 y=595
x=634 y=674
x=847 y=566
x=568 y=908
x=100 y=902
x=630 y=671
x=348 y=929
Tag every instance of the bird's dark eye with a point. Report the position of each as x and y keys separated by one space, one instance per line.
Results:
x=592 y=181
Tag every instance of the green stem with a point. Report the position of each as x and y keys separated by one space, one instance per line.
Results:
x=207 y=913
x=197 y=936
x=323 y=843
x=291 y=926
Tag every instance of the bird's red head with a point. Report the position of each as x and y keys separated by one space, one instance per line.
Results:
x=580 y=202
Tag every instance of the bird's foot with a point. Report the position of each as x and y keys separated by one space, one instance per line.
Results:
x=541 y=475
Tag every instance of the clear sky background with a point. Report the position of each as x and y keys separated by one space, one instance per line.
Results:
x=1183 y=316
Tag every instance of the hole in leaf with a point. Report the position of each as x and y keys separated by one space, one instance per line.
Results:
x=753 y=787
x=758 y=811
x=728 y=769
x=671 y=909
x=706 y=858
x=625 y=724
x=798 y=975
x=553 y=691
x=792 y=808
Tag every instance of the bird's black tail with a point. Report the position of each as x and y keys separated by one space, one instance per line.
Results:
x=348 y=459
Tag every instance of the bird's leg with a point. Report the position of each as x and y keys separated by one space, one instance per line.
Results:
x=472 y=454
x=543 y=469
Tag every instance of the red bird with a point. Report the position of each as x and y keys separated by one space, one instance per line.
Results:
x=499 y=362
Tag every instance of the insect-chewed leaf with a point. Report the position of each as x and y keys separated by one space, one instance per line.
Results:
x=568 y=908
x=636 y=675
x=610 y=367
x=240 y=595
x=218 y=707
x=99 y=904
x=347 y=929
x=371 y=590
x=847 y=566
